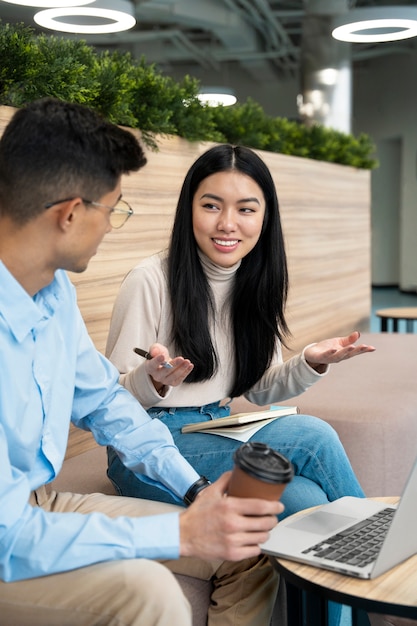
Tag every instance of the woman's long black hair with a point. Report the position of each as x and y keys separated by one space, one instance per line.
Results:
x=261 y=284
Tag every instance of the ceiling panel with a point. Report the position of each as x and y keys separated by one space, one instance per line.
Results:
x=263 y=37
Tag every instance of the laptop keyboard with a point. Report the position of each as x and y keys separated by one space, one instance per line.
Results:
x=357 y=545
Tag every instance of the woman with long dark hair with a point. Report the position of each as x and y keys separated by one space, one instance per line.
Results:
x=218 y=297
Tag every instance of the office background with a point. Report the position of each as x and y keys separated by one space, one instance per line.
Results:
x=262 y=49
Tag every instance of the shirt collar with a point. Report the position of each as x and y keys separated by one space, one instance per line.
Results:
x=21 y=312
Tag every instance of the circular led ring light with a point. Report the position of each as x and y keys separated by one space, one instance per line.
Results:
x=214 y=99
x=50 y=4
x=214 y=96
x=403 y=29
x=388 y=24
x=120 y=20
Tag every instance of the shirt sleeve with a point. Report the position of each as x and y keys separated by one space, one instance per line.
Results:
x=284 y=380
x=37 y=543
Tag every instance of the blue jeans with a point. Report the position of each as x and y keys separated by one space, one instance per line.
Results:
x=322 y=469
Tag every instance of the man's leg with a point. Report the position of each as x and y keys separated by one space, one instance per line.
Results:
x=244 y=592
x=115 y=593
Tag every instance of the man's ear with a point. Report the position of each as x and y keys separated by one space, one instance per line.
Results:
x=68 y=212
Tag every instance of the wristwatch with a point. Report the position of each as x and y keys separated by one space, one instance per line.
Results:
x=195 y=489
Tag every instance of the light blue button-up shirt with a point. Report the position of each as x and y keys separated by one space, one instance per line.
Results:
x=51 y=374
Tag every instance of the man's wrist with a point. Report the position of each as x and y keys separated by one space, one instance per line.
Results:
x=195 y=489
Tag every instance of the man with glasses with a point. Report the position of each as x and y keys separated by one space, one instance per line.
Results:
x=84 y=560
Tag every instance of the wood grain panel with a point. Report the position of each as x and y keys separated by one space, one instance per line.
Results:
x=325 y=211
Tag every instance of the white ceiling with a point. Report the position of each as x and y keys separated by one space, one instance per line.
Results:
x=262 y=37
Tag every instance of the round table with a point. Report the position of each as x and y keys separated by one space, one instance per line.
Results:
x=392 y=593
x=408 y=313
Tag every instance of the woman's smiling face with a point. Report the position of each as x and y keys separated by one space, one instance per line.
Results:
x=228 y=212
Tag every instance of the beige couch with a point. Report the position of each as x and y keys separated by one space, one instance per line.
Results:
x=371 y=401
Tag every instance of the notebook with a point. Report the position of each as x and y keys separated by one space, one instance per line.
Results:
x=331 y=537
x=239 y=419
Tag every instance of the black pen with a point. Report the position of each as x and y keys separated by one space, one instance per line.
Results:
x=147 y=355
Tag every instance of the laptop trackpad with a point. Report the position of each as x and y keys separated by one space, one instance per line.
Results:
x=321 y=523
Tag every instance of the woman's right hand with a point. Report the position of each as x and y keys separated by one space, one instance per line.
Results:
x=163 y=376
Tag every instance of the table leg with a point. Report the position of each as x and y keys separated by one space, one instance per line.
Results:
x=395 y=325
x=410 y=326
x=384 y=324
x=305 y=608
x=294 y=605
x=360 y=618
x=316 y=610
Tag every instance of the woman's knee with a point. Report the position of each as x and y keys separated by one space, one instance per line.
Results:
x=314 y=428
x=314 y=423
x=301 y=493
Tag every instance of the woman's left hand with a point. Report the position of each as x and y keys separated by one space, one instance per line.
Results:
x=334 y=350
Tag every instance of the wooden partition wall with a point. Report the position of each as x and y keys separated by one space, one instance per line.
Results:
x=325 y=211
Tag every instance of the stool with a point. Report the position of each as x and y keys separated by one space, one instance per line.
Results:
x=401 y=313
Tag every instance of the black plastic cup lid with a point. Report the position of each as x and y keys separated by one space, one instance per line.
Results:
x=263 y=462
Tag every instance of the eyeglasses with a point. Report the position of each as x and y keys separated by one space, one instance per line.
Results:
x=118 y=214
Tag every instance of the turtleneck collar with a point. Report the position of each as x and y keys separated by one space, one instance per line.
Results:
x=217 y=272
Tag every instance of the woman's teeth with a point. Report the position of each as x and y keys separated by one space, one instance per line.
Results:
x=221 y=242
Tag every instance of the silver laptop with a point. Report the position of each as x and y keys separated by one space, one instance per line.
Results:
x=337 y=537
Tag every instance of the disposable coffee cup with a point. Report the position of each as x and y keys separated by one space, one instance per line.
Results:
x=259 y=472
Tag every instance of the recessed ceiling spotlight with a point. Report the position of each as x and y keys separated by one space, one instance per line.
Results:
x=105 y=17
x=215 y=96
x=376 y=24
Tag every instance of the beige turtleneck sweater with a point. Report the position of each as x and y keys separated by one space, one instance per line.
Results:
x=142 y=316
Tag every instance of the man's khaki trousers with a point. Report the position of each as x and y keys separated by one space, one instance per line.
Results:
x=137 y=591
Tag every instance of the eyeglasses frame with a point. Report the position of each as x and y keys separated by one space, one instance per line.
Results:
x=128 y=212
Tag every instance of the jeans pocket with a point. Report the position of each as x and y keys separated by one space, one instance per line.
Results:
x=157 y=413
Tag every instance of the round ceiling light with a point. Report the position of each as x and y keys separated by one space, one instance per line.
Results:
x=376 y=24
x=108 y=17
x=215 y=96
x=49 y=3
